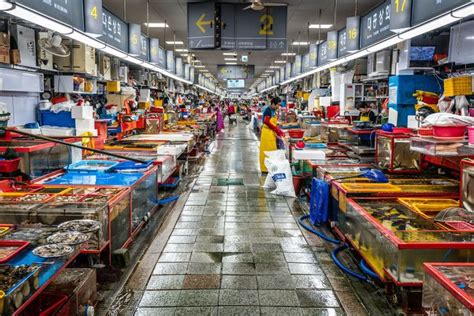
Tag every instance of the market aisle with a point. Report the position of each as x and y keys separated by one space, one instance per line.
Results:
x=236 y=249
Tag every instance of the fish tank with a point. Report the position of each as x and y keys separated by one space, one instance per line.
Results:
x=395 y=241
x=393 y=153
x=467 y=184
x=334 y=132
x=448 y=289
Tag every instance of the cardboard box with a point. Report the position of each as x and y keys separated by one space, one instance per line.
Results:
x=144 y=105
x=26 y=44
x=83 y=112
x=84 y=124
x=113 y=86
x=105 y=67
x=4 y=55
x=82 y=58
x=15 y=57
x=5 y=39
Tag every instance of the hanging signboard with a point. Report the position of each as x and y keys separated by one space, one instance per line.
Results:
x=288 y=71
x=313 y=55
x=186 y=71
x=162 y=57
x=66 y=11
x=145 y=48
x=225 y=72
x=282 y=74
x=400 y=15
x=179 y=66
x=228 y=26
x=277 y=76
x=273 y=25
x=296 y=68
x=154 y=50
x=342 y=43
x=332 y=45
x=192 y=75
x=353 y=34
x=201 y=25
x=170 y=62
x=375 y=26
x=134 y=39
x=427 y=9
x=93 y=17
x=114 y=30
x=305 y=66
x=323 y=53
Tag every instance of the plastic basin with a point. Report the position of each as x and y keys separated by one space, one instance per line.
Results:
x=449 y=131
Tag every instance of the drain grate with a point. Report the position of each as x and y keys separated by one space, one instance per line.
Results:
x=230 y=181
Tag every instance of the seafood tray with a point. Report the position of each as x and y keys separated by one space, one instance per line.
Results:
x=34 y=235
x=10 y=248
x=448 y=289
x=24 y=197
x=395 y=241
x=17 y=282
x=69 y=238
x=53 y=251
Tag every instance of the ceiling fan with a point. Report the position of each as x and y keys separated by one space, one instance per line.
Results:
x=54 y=45
x=258 y=5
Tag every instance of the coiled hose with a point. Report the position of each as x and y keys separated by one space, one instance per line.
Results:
x=316 y=232
x=344 y=268
x=363 y=266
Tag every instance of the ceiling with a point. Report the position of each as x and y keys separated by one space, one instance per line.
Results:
x=300 y=13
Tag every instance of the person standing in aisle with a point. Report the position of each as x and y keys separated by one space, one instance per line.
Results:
x=219 y=118
x=270 y=131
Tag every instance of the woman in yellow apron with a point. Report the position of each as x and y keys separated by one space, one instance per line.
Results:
x=366 y=113
x=270 y=131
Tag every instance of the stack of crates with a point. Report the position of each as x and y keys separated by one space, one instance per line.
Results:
x=458 y=86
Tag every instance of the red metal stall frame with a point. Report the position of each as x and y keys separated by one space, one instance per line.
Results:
x=41 y=145
x=430 y=268
x=392 y=136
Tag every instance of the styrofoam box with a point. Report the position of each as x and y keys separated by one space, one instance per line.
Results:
x=82 y=112
x=57 y=131
x=171 y=150
x=84 y=124
x=80 y=132
x=309 y=154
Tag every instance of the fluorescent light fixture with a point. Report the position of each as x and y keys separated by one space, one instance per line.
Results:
x=4 y=5
x=229 y=54
x=114 y=52
x=199 y=66
x=385 y=44
x=203 y=70
x=156 y=25
x=320 y=26
x=185 y=55
x=274 y=67
x=39 y=19
x=231 y=63
x=175 y=42
x=280 y=61
x=269 y=70
x=181 y=50
x=288 y=54
x=300 y=43
x=230 y=59
x=463 y=12
x=83 y=38
x=427 y=27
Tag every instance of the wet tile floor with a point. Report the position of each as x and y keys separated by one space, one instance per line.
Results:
x=236 y=249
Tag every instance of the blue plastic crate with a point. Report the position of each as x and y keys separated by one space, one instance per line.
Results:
x=88 y=166
x=73 y=178
x=130 y=165
x=61 y=119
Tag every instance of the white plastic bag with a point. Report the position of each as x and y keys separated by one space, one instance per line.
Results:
x=274 y=155
x=279 y=171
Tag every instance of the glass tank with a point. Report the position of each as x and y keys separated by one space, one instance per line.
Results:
x=396 y=241
x=393 y=153
x=448 y=289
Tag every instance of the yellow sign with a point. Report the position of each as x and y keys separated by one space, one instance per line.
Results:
x=267 y=25
x=200 y=23
x=400 y=5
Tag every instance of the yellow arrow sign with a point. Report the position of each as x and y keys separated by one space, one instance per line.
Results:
x=200 y=23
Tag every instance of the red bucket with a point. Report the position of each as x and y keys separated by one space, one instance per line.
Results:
x=296 y=133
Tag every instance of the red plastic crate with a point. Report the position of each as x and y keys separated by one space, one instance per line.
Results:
x=8 y=166
x=13 y=243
